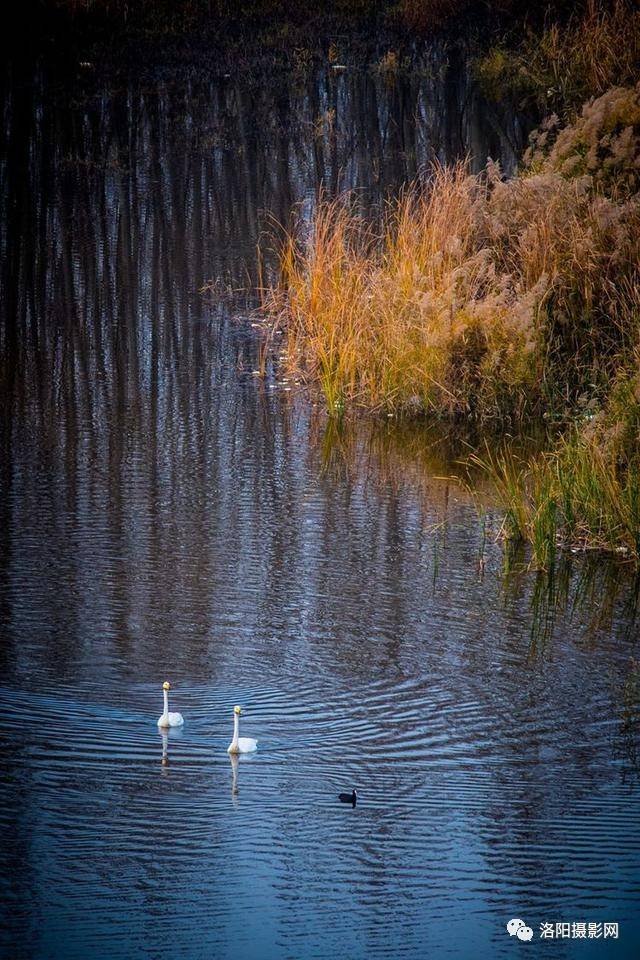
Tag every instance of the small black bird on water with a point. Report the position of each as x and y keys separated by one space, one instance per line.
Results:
x=348 y=798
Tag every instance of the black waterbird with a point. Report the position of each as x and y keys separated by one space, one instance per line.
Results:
x=348 y=798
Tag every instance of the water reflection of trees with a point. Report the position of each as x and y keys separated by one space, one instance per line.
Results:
x=119 y=203
x=205 y=156
x=150 y=493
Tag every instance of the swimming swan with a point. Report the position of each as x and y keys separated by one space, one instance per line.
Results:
x=240 y=744
x=169 y=719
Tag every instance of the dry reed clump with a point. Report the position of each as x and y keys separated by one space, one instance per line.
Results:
x=479 y=298
x=584 y=249
x=603 y=143
x=419 y=318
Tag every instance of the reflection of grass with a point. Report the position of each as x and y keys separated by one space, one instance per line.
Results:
x=630 y=724
x=593 y=589
x=426 y=459
x=422 y=456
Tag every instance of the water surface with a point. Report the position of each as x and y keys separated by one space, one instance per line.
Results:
x=166 y=514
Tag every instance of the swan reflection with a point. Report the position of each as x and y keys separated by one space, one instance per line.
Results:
x=165 y=748
x=167 y=734
x=235 y=760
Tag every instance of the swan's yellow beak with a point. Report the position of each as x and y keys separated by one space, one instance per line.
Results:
x=166 y=685
x=237 y=711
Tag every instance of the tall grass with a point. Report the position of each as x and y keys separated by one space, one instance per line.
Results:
x=563 y=64
x=402 y=319
x=603 y=143
x=585 y=492
x=476 y=298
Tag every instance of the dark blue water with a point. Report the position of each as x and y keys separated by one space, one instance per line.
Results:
x=164 y=514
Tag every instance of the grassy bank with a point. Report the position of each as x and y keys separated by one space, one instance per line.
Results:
x=584 y=493
x=496 y=301
x=478 y=297
x=559 y=64
x=165 y=16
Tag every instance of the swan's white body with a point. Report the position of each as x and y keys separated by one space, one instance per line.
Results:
x=169 y=719
x=240 y=744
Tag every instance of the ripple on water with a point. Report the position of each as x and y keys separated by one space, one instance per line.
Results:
x=162 y=515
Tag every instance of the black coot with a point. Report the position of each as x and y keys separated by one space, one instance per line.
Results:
x=348 y=798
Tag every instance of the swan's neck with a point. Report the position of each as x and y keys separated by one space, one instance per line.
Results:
x=165 y=693
x=236 y=730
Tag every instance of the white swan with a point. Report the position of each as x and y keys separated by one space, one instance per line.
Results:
x=169 y=719
x=240 y=744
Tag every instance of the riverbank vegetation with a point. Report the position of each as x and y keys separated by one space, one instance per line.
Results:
x=497 y=301
x=262 y=34
x=417 y=17
x=479 y=297
x=559 y=65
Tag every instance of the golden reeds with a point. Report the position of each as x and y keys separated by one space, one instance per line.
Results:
x=477 y=298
